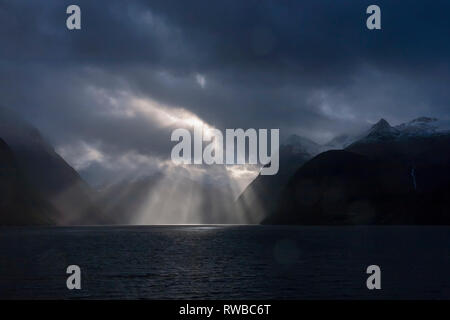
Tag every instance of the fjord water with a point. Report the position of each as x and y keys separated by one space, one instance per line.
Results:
x=225 y=262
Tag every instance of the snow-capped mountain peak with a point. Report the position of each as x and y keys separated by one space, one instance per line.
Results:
x=382 y=124
x=419 y=127
x=424 y=126
x=382 y=130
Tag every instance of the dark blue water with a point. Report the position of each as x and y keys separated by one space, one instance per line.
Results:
x=225 y=262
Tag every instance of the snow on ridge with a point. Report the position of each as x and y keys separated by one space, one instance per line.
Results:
x=424 y=126
x=382 y=130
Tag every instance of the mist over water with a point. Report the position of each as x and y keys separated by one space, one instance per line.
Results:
x=175 y=199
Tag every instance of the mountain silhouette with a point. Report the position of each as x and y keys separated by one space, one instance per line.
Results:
x=260 y=197
x=46 y=175
x=19 y=204
x=393 y=175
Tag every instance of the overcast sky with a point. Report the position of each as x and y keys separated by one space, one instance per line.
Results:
x=107 y=96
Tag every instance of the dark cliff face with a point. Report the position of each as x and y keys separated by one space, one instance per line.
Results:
x=382 y=179
x=47 y=174
x=324 y=190
x=19 y=204
x=260 y=197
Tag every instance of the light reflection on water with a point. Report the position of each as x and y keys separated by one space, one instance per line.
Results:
x=224 y=262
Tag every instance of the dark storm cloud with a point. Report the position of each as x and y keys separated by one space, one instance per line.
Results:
x=310 y=67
